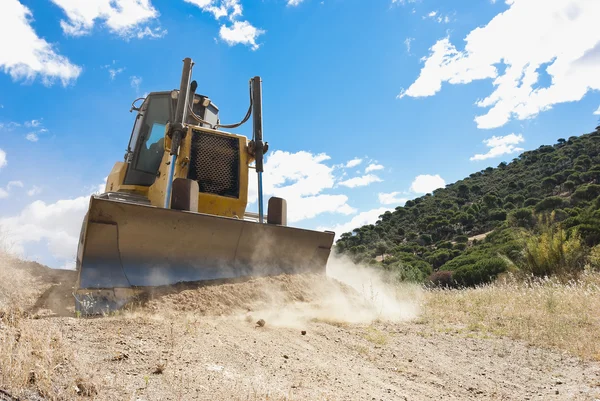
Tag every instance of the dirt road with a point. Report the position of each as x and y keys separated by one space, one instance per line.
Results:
x=205 y=344
x=211 y=358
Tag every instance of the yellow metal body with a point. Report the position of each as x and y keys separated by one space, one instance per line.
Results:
x=207 y=203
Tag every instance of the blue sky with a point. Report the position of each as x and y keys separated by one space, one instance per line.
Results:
x=421 y=92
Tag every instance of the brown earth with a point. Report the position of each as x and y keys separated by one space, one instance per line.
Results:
x=321 y=340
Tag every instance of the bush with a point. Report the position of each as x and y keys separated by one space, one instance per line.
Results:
x=498 y=215
x=460 y=246
x=531 y=201
x=461 y=239
x=484 y=271
x=550 y=203
x=551 y=252
x=444 y=245
x=441 y=279
x=521 y=218
x=586 y=193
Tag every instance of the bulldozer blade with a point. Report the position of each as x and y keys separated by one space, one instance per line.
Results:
x=125 y=247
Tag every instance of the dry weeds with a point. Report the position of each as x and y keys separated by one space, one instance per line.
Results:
x=542 y=312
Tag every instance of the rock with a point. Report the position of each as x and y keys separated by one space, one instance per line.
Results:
x=303 y=332
x=260 y=323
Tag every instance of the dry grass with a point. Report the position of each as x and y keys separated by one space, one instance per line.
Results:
x=543 y=312
x=36 y=360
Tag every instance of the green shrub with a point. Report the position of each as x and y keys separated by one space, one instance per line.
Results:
x=550 y=203
x=531 y=201
x=586 y=193
x=444 y=245
x=460 y=246
x=521 y=218
x=483 y=271
x=497 y=215
x=552 y=252
x=461 y=239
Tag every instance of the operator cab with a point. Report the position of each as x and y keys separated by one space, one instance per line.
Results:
x=146 y=146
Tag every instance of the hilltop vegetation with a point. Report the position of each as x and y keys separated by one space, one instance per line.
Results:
x=539 y=215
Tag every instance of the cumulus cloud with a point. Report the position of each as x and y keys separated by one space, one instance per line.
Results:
x=597 y=112
x=391 y=199
x=32 y=137
x=35 y=190
x=3 y=161
x=512 y=50
x=360 y=181
x=24 y=55
x=301 y=178
x=239 y=32
x=368 y=217
x=294 y=3
x=373 y=167
x=5 y=192
x=55 y=226
x=426 y=183
x=353 y=163
x=123 y=17
x=500 y=145
x=135 y=82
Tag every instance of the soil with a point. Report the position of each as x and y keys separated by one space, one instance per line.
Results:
x=205 y=343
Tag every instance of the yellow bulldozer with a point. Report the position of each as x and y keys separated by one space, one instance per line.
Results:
x=175 y=210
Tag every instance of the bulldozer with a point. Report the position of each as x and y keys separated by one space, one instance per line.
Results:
x=175 y=209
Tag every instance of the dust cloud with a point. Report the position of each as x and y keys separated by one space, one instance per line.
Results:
x=350 y=294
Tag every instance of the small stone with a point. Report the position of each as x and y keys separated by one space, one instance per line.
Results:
x=410 y=360
x=260 y=323
x=303 y=332
x=286 y=357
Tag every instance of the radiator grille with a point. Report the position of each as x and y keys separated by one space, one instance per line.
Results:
x=215 y=164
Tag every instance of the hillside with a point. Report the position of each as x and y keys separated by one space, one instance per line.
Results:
x=553 y=190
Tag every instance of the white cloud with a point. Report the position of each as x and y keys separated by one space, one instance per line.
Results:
x=113 y=72
x=597 y=112
x=561 y=41
x=32 y=123
x=219 y=8
x=151 y=33
x=5 y=192
x=360 y=181
x=426 y=183
x=432 y=14
x=300 y=178
x=391 y=198
x=407 y=43
x=32 y=137
x=353 y=163
x=373 y=167
x=24 y=55
x=500 y=145
x=368 y=217
x=12 y=184
x=135 y=82
x=35 y=190
x=3 y=161
x=240 y=32
x=294 y=2
x=53 y=225
x=123 y=17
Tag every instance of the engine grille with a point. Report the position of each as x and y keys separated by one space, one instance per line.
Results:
x=215 y=164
